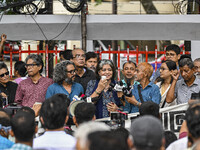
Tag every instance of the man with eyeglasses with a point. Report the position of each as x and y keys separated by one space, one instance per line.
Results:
x=197 y=67
x=33 y=89
x=83 y=74
x=63 y=77
x=182 y=89
x=7 y=87
x=172 y=53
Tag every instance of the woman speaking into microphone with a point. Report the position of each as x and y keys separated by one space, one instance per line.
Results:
x=108 y=100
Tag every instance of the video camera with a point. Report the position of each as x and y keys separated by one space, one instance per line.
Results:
x=119 y=87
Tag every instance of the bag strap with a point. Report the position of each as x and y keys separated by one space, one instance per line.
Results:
x=140 y=95
x=163 y=103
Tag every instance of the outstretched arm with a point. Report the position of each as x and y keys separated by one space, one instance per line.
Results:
x=3 y=39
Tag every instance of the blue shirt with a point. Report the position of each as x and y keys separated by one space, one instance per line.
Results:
x=150 y=93
x=19 y=146
x=127 y=106
x=56 y=88
x=5 y=143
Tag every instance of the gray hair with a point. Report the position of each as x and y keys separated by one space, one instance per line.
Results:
x=100 y=65
x=197 y=60
x=89 y=127
x=59 y=74
x=186 y=61
x=37 y=59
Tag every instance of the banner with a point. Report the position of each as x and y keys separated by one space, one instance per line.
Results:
x=172 y=117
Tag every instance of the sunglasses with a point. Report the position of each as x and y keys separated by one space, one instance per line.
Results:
x=6 y=73
x=30 y=65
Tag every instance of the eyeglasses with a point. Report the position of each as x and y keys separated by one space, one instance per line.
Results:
x=6 y=73
x=71 y=71
x=30 y=65
x=163 y=69
x=170 y=54
x=79 y=56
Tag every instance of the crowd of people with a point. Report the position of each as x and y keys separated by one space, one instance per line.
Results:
x=43 y=119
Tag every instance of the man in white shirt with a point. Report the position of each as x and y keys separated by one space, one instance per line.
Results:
x=54 y=115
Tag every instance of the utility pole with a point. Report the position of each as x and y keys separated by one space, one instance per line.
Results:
x=114 y=43
x=84 y=26
x=51 y=45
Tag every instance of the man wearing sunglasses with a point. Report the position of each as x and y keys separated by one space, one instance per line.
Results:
x=83 y=74
x=34 y=88
x=63 y=77
x=7 y=87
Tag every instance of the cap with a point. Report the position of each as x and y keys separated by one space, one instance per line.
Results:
x=147 y=131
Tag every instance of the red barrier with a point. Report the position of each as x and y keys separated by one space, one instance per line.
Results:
x=128 y=52
x=118 y=64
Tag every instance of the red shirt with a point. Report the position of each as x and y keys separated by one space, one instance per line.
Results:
x=28 y=92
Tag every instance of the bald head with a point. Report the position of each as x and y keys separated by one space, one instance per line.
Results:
x=147 y=68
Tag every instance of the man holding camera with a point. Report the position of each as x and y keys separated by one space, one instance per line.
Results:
x=146 y=90
x=128 y=82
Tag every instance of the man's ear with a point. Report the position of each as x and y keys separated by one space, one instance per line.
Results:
x=94 y=118
x=130 y=143
x=179 y=56
x=11 y=133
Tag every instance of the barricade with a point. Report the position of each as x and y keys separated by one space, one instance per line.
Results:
x=128 y=52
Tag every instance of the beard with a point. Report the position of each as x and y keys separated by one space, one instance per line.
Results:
x=69 y=80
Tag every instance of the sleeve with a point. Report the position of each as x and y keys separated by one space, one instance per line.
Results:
x=50 y=92
x=176 y=89
x=156 y=75
x=156 y=96
x=19 y=95
x=90 y=87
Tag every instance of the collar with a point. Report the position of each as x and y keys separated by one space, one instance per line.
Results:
x=149 y=85
x=196 y=81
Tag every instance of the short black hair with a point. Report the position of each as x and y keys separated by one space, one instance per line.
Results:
x=23 y=126
x=54 y=111
x=149 y=108
x=5 y=119
x=89 y=55
x=169 y=138
x=20 y=67
x=3 y=65
x=193 y=120
x=106 y=140
x=174 y=47
x=129 y=62
x=27 y=109
x=84 y=112
x=37 y=59
x=67 y=54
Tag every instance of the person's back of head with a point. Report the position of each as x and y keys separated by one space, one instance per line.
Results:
x=20 y=68
x=54 y=111
x=85 y=129
x=193 y=122
x=4 y=123
x=149 y=108
x=170 y=137
x=175 y=48
x=147 y=132
x=23 y=126
x=27 y=109
x=106 y=140
x=67 y=54
x=84 y=112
